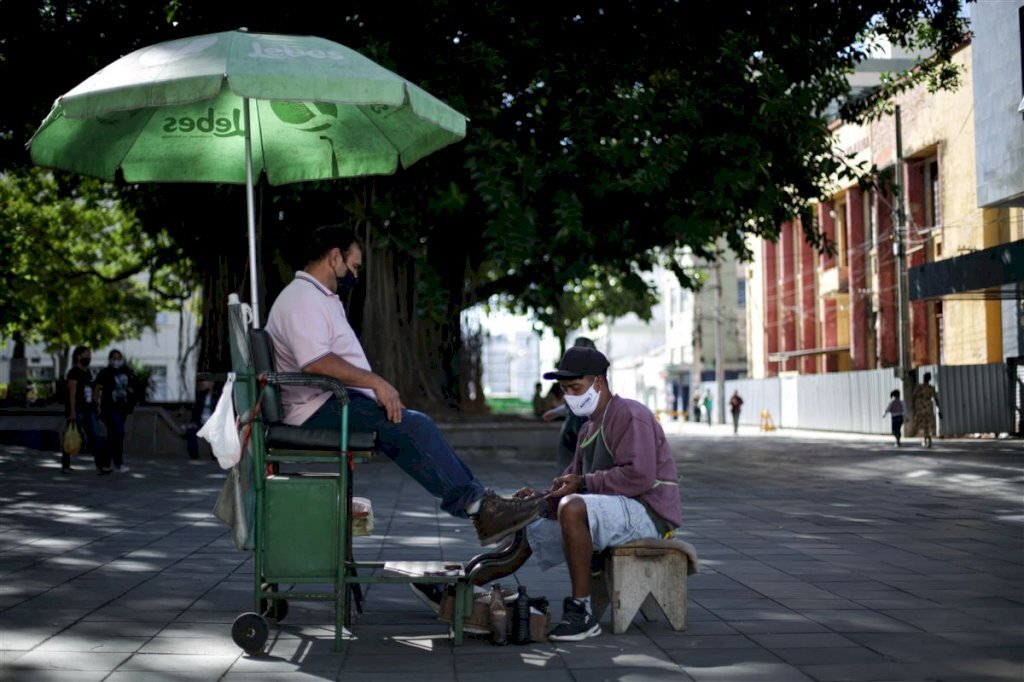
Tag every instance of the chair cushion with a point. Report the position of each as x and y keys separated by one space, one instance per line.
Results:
x=300 y=438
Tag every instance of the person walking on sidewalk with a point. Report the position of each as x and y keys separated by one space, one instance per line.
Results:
x=707 y=405
x=207 y=395
x=572 y=424
x=115 y=402
x=735 y=405
x=926 y=399
x=81 y=409
x=895 y=410
x=311 y=333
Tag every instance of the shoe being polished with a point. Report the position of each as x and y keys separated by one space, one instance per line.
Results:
x=500 y=516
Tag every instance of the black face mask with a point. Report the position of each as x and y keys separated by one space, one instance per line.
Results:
x=346 y=282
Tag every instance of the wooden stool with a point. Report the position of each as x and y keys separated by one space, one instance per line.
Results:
x=647 y=576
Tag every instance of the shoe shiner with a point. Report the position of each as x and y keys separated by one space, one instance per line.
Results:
x=621 y=486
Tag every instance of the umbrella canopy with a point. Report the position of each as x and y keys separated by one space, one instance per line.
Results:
x=225 y=107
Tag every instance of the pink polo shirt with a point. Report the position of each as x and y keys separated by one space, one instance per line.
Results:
x=307 y=322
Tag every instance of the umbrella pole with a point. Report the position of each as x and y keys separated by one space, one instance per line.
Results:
x=250 y=206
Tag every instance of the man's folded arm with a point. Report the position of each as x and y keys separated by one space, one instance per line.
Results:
x=333 y=366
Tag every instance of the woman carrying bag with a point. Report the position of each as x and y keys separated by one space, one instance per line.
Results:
x=81 y=410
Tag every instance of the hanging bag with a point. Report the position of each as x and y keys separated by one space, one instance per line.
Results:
x=222 y=429
x=72 y=440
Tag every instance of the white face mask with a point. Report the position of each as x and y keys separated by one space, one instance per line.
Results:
x=116 y=364
x=584 y=405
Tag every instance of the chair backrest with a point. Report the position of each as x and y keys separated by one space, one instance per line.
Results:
x=241 y=359
x=262 y=348
x=238 y=328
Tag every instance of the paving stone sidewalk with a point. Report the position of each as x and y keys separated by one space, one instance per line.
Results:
x=823 y=558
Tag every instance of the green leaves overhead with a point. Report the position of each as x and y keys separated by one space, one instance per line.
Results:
x=601 y=135
x=75 y=267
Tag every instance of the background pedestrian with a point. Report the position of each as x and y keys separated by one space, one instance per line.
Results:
x=81 y=409
x=538 y=400
x=572 y=424
x=207 y=395
x=926 y=399
x=895 y=409
x=735 y=405
x=114 y=401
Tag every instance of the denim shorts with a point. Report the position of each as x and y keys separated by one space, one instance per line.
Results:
x=614 y=520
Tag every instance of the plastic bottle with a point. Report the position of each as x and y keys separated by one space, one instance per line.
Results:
x=521 y=628
x=499 y=616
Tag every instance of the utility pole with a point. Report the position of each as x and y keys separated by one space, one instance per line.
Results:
x=698 y=353
x=899 y=249
x=719 y=339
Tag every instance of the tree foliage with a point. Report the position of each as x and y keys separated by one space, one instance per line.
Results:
x=602 y=136
x=592 y=301
x=75 y=266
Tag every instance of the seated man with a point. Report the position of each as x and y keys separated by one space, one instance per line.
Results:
x=311 y=334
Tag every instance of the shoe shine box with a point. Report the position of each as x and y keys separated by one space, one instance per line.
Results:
x=480 y=618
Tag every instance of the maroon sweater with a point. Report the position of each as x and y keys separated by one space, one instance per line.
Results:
x=643 y=465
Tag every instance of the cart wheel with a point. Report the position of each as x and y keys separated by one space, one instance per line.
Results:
x=277 y=609
x=250 y=632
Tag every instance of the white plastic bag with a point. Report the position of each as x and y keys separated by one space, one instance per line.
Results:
x=362 y=516
x=221 y=430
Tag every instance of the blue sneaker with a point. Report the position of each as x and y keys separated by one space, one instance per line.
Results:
x=577 y=623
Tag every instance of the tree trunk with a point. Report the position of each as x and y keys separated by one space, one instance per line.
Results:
x=402 y=347
x=17 y=389
x=62 y=361
x=417 y=345
x=222 y=274
x=471 y=371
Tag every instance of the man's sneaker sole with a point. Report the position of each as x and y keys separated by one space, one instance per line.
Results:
x=471 y=630
x=511 y=529
x=577 y=637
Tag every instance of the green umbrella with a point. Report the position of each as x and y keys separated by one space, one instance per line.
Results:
x=225 y=107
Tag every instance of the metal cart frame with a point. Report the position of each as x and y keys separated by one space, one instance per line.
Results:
x=303 y=522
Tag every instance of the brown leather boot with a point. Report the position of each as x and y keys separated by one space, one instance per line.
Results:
x=499 y=516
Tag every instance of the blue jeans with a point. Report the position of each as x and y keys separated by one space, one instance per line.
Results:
x=87 y=427
x=415 y=444
x=114 y=420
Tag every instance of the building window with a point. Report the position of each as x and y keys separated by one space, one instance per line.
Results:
x=840 y=223
x=932 y=214
x=741 y=292
x=869 y=217
x=1020 y=34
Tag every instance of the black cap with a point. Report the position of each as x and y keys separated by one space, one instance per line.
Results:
x=579 y=362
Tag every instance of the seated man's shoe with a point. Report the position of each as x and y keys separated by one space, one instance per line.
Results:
x=498 y=516
x=577 y=624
